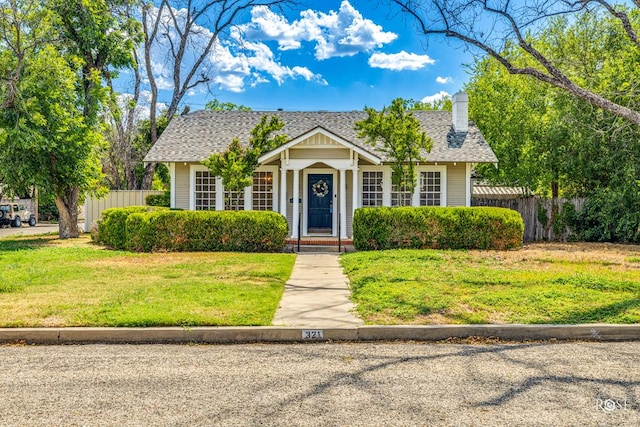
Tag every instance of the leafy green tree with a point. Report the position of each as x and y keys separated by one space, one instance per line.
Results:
x=443 y=104
x=498 y=29
x=51 y=59
x=237 y=163
x=216 y=105
x=557 y=144
x=398 y=131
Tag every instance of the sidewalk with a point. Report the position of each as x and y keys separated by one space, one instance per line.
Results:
x=316 y=295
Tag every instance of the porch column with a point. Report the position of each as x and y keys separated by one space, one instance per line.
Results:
x=355 y=190
x=343 y=204
x=296 y=203
x=219 y=194
x=283 y=191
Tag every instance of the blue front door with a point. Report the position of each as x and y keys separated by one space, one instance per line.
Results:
x=320 y=202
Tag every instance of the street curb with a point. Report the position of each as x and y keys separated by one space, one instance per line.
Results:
x=268 y=334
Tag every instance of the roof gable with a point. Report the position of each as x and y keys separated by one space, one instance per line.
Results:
x=320 y=130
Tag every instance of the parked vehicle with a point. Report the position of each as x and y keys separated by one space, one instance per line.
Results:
x=14 y=214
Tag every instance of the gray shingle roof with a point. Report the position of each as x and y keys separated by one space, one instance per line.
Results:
x=194 y=137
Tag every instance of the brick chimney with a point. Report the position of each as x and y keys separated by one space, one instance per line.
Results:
x=460 y=114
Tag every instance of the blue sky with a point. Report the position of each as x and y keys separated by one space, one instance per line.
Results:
x=336 y=55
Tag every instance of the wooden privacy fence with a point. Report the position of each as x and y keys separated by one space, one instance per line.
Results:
x=115 y=199
x=533 y=209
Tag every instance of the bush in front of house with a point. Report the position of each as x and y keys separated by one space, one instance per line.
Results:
x=437 y=228
x=111 y=229
x=191 y=231
x=162 y=200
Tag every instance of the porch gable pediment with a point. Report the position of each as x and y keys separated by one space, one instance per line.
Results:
x=310 y=140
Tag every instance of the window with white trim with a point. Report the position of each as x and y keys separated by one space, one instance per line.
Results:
x=263 y=191
x=430 y=188
x=399 y=195
x=205 y=197
x=372 y=190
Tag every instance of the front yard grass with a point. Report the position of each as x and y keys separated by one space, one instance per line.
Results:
x=540 y=283
x=48 y=282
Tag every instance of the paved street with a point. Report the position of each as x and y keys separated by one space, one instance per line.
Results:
x=28 y=231
x=577 y=384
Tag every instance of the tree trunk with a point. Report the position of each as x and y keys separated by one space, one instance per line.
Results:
x=149 y=171
x=68 y=210
x=555 y=193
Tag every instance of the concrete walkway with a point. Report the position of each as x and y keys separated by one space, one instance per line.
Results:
x=316 y=295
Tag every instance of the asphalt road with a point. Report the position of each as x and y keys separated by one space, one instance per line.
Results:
x=363 y=384
x=25 y=230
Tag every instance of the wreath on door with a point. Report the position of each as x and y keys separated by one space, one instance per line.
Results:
x=320 y=188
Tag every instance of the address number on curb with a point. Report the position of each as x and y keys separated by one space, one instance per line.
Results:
x=312 y=334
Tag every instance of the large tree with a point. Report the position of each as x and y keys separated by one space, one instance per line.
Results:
x=492 y=27
x=171 y=31
x=52 y=56
x=546 y=139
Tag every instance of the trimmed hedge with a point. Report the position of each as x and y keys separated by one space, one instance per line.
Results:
x=191 y=231
x=111 y=230
x=437 y=228
x=163 y=200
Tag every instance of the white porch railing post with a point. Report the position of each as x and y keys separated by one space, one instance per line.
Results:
x=343 y=204
x=283 y=191
x=296 y=203
x=355 y=191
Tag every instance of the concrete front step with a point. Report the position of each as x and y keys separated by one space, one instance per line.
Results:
x=319 y=244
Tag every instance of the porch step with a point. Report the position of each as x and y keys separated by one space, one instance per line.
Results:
x=319 y=244
x=319 y=248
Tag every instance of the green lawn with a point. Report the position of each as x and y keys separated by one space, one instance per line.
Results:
x=48 y=282
x=542 y=283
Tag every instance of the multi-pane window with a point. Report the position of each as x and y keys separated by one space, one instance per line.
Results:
x=263 y=191
x=372 y=189
x=205 y=191
x=430 y=188
x=399 y=194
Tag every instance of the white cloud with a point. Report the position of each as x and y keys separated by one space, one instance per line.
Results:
x=253 y=62
x=336 y=34
x=400 y=61
x=436 y=97
x=234 y=63
x=444 y=80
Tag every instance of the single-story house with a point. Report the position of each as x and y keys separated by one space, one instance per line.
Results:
x=324 y=172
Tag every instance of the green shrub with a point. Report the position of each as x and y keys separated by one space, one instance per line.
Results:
x=609 y=215
x=111 y=229
x=190 y=231
x=437 y=228
x=162 y=200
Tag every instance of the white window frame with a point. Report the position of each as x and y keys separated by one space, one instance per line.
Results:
x=384 y=172
x=192 y=186
x=443 y=182
x=275 y=188
x=248 y=191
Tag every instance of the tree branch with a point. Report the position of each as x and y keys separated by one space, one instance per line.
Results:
x=553 y=75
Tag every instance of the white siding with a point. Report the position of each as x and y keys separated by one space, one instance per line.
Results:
x=319 y=153
x=182 y=186
x=456 y=189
